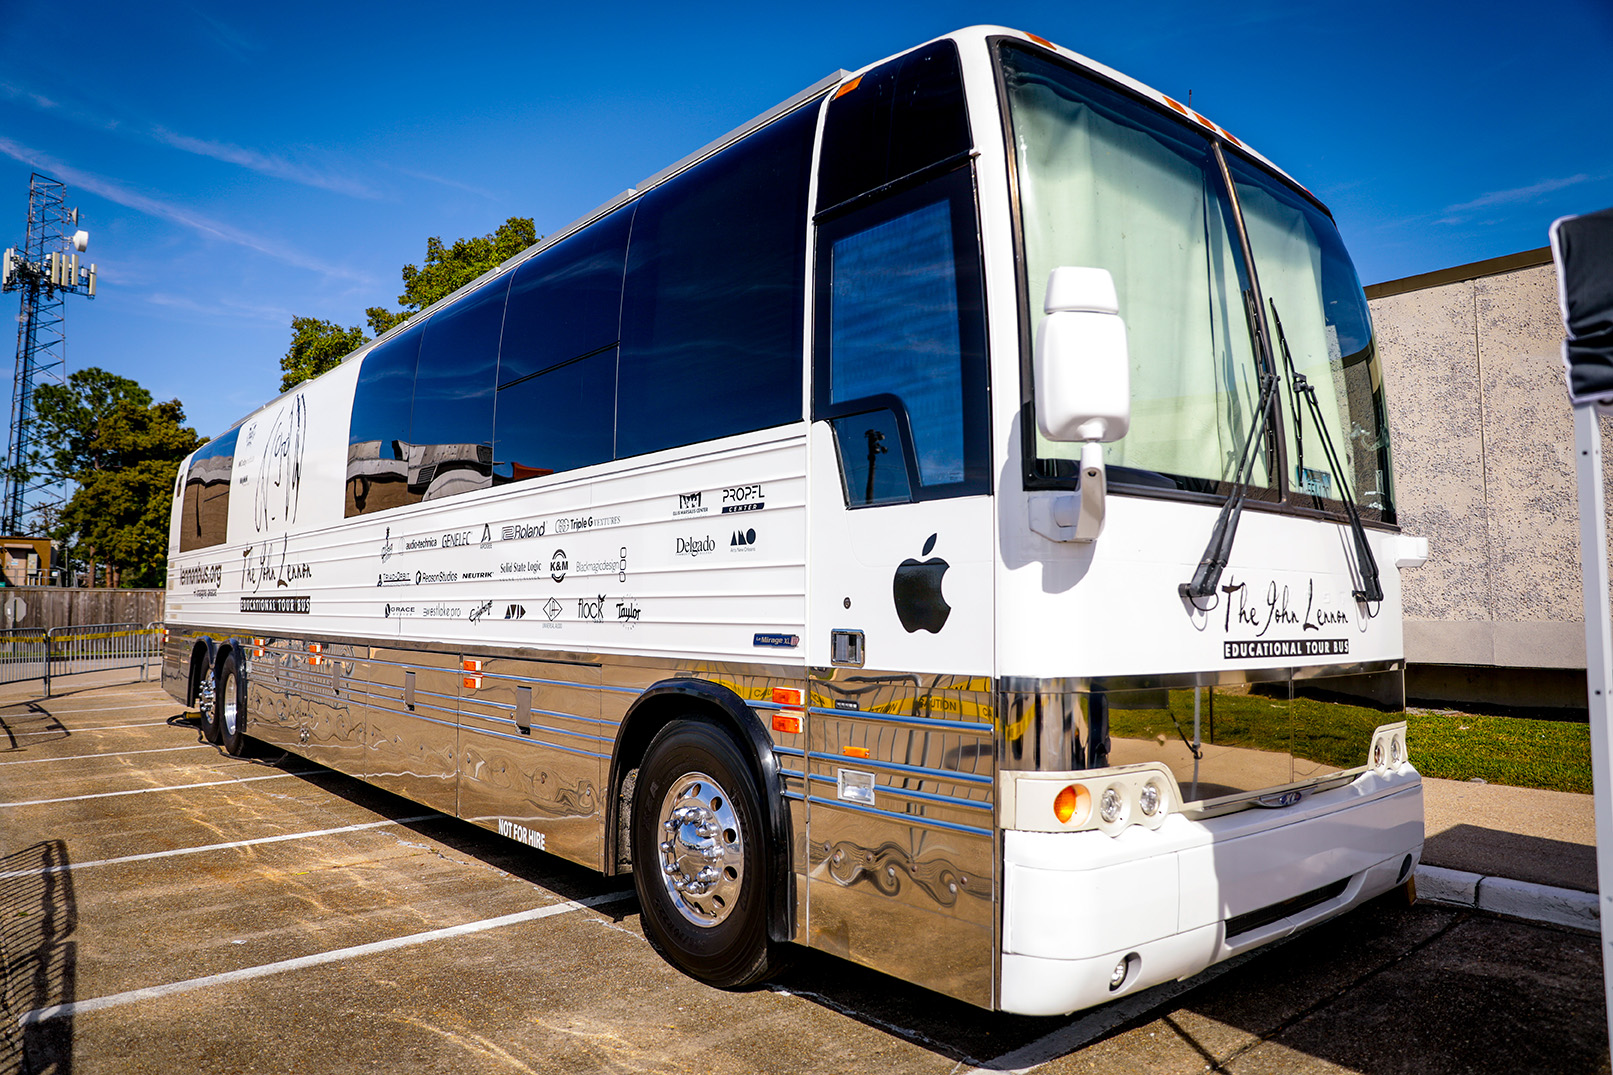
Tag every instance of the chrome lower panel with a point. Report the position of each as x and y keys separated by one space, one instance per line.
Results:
x=1220 y=740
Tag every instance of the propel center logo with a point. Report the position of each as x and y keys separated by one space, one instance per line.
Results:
x=693 y=546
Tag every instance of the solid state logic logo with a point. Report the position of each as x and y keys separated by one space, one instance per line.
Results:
x=694 y=546
x=743 y=541
x=742 y=498
x=690 y=504
x=395 y=578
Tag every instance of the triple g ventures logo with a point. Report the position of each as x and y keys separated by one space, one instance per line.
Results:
x=695 y=546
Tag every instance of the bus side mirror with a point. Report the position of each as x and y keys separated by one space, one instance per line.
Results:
x=1081 y=365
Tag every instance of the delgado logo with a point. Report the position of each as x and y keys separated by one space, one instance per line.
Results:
x=693 y=546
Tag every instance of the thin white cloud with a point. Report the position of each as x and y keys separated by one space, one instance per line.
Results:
x=1518 y=194
x=265 y=163
x=176 y=214
x=452 y=183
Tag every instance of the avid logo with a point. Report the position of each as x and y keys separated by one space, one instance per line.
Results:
x=743 y=541
x=693 y=546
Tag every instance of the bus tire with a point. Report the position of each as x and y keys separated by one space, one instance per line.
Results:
x=207 y=703
x=700 y=855
x=229 y=708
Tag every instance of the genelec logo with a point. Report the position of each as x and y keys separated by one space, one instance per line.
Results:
x=693 y=546
x=742 y=498
x=452 y=540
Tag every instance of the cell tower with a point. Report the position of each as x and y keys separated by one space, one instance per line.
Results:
x=45 y=270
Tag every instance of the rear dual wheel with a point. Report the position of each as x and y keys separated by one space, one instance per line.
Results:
x=229 y=708
x=699 y=856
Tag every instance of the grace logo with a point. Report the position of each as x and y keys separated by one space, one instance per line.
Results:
x=916 y=590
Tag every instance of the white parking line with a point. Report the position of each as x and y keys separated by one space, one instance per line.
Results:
x=81 y=731
x=144 y=791
x=79 y=1007
x=74 y=866
x=110 y=754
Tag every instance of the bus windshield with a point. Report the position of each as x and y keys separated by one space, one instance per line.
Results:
x=1104 y=181
x=1307 y=278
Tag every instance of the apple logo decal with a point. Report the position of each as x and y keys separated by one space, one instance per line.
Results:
x=917 y=592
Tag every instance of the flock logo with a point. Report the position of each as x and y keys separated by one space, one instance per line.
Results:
x=916 y=589
x=559 y=565
x=591 y=608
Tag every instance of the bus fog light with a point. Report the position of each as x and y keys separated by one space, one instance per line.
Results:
x=1109 y=805
x=1117 y=977
x=1377 y=754
x=1148 y=799
x=1396 y=754
x=1074 y=802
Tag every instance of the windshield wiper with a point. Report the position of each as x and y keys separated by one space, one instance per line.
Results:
x=1217 y=552
x=1371 y=589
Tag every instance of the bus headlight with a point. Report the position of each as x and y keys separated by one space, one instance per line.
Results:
x=1388 y=752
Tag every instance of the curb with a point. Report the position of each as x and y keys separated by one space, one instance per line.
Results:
x=1517 y=899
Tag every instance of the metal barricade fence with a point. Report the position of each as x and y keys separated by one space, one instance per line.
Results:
x=29 y=653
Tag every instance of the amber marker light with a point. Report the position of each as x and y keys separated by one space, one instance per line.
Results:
x=789 y=723
x=787 y=696
x=1044 y=42
x=1074 y=803
x=848 y=87
x=856 y=752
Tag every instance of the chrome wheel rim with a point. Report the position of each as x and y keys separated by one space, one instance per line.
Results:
x=702 y=851
x=228 y=709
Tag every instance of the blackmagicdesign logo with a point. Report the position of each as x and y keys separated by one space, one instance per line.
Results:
x=695 y=546
x=743 y=541
x=742 y=498
x=690 y=504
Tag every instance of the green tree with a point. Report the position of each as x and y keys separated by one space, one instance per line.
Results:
x=449 y=268
x=317 y=346
x=67 y=418
x=126 y=463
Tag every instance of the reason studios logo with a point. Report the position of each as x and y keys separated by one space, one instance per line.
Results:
x=916 y=589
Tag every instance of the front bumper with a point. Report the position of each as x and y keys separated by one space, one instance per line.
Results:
x=1078 y=904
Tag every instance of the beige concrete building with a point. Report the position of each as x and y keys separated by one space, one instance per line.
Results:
x=1484 y=468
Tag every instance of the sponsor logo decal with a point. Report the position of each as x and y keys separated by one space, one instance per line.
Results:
x=480 y=610
x=522 y=531
x=690 y=504
x=779 y=640
x=487 y=536
x=551 y=608
x=394 y=578
x=742 y=498
x=559 y=565
x=386 y=546
x=743 y=541
x=442 y=612
x=516 y=612
x=695 y=546
x=210 y=575
x=421 y=578
x=477 y=575
x=276 y=603
x=399 y=610
x=627 y=611
x=455 y=539
x=916 y=589
x=591 y=608
x=584 y=522
x=419 y=543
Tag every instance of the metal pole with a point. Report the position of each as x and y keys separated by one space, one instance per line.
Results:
x=1598 y=663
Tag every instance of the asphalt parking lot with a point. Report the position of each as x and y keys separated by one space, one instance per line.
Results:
x=167 y=908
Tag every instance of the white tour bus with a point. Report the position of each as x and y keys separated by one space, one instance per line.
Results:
x=837 y=532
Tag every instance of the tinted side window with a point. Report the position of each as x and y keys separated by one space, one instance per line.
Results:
x=206 y=510
x=711 y=318
x=378 y=435
x=557 y=365
x=451 y=433
x=900 y=367
x=900 y=117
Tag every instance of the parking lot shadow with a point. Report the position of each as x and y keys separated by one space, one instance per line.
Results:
x=38 y=916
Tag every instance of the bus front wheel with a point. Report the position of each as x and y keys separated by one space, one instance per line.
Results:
x=699 y=856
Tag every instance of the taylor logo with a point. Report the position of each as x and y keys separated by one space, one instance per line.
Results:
x=916 y=589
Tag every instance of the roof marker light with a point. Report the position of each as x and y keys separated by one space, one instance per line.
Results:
x=1041 y=41
x=848 y=86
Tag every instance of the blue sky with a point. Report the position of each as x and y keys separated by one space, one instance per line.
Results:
x=240 y=164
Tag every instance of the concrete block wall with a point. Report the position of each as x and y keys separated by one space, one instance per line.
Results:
x=1484 y=468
